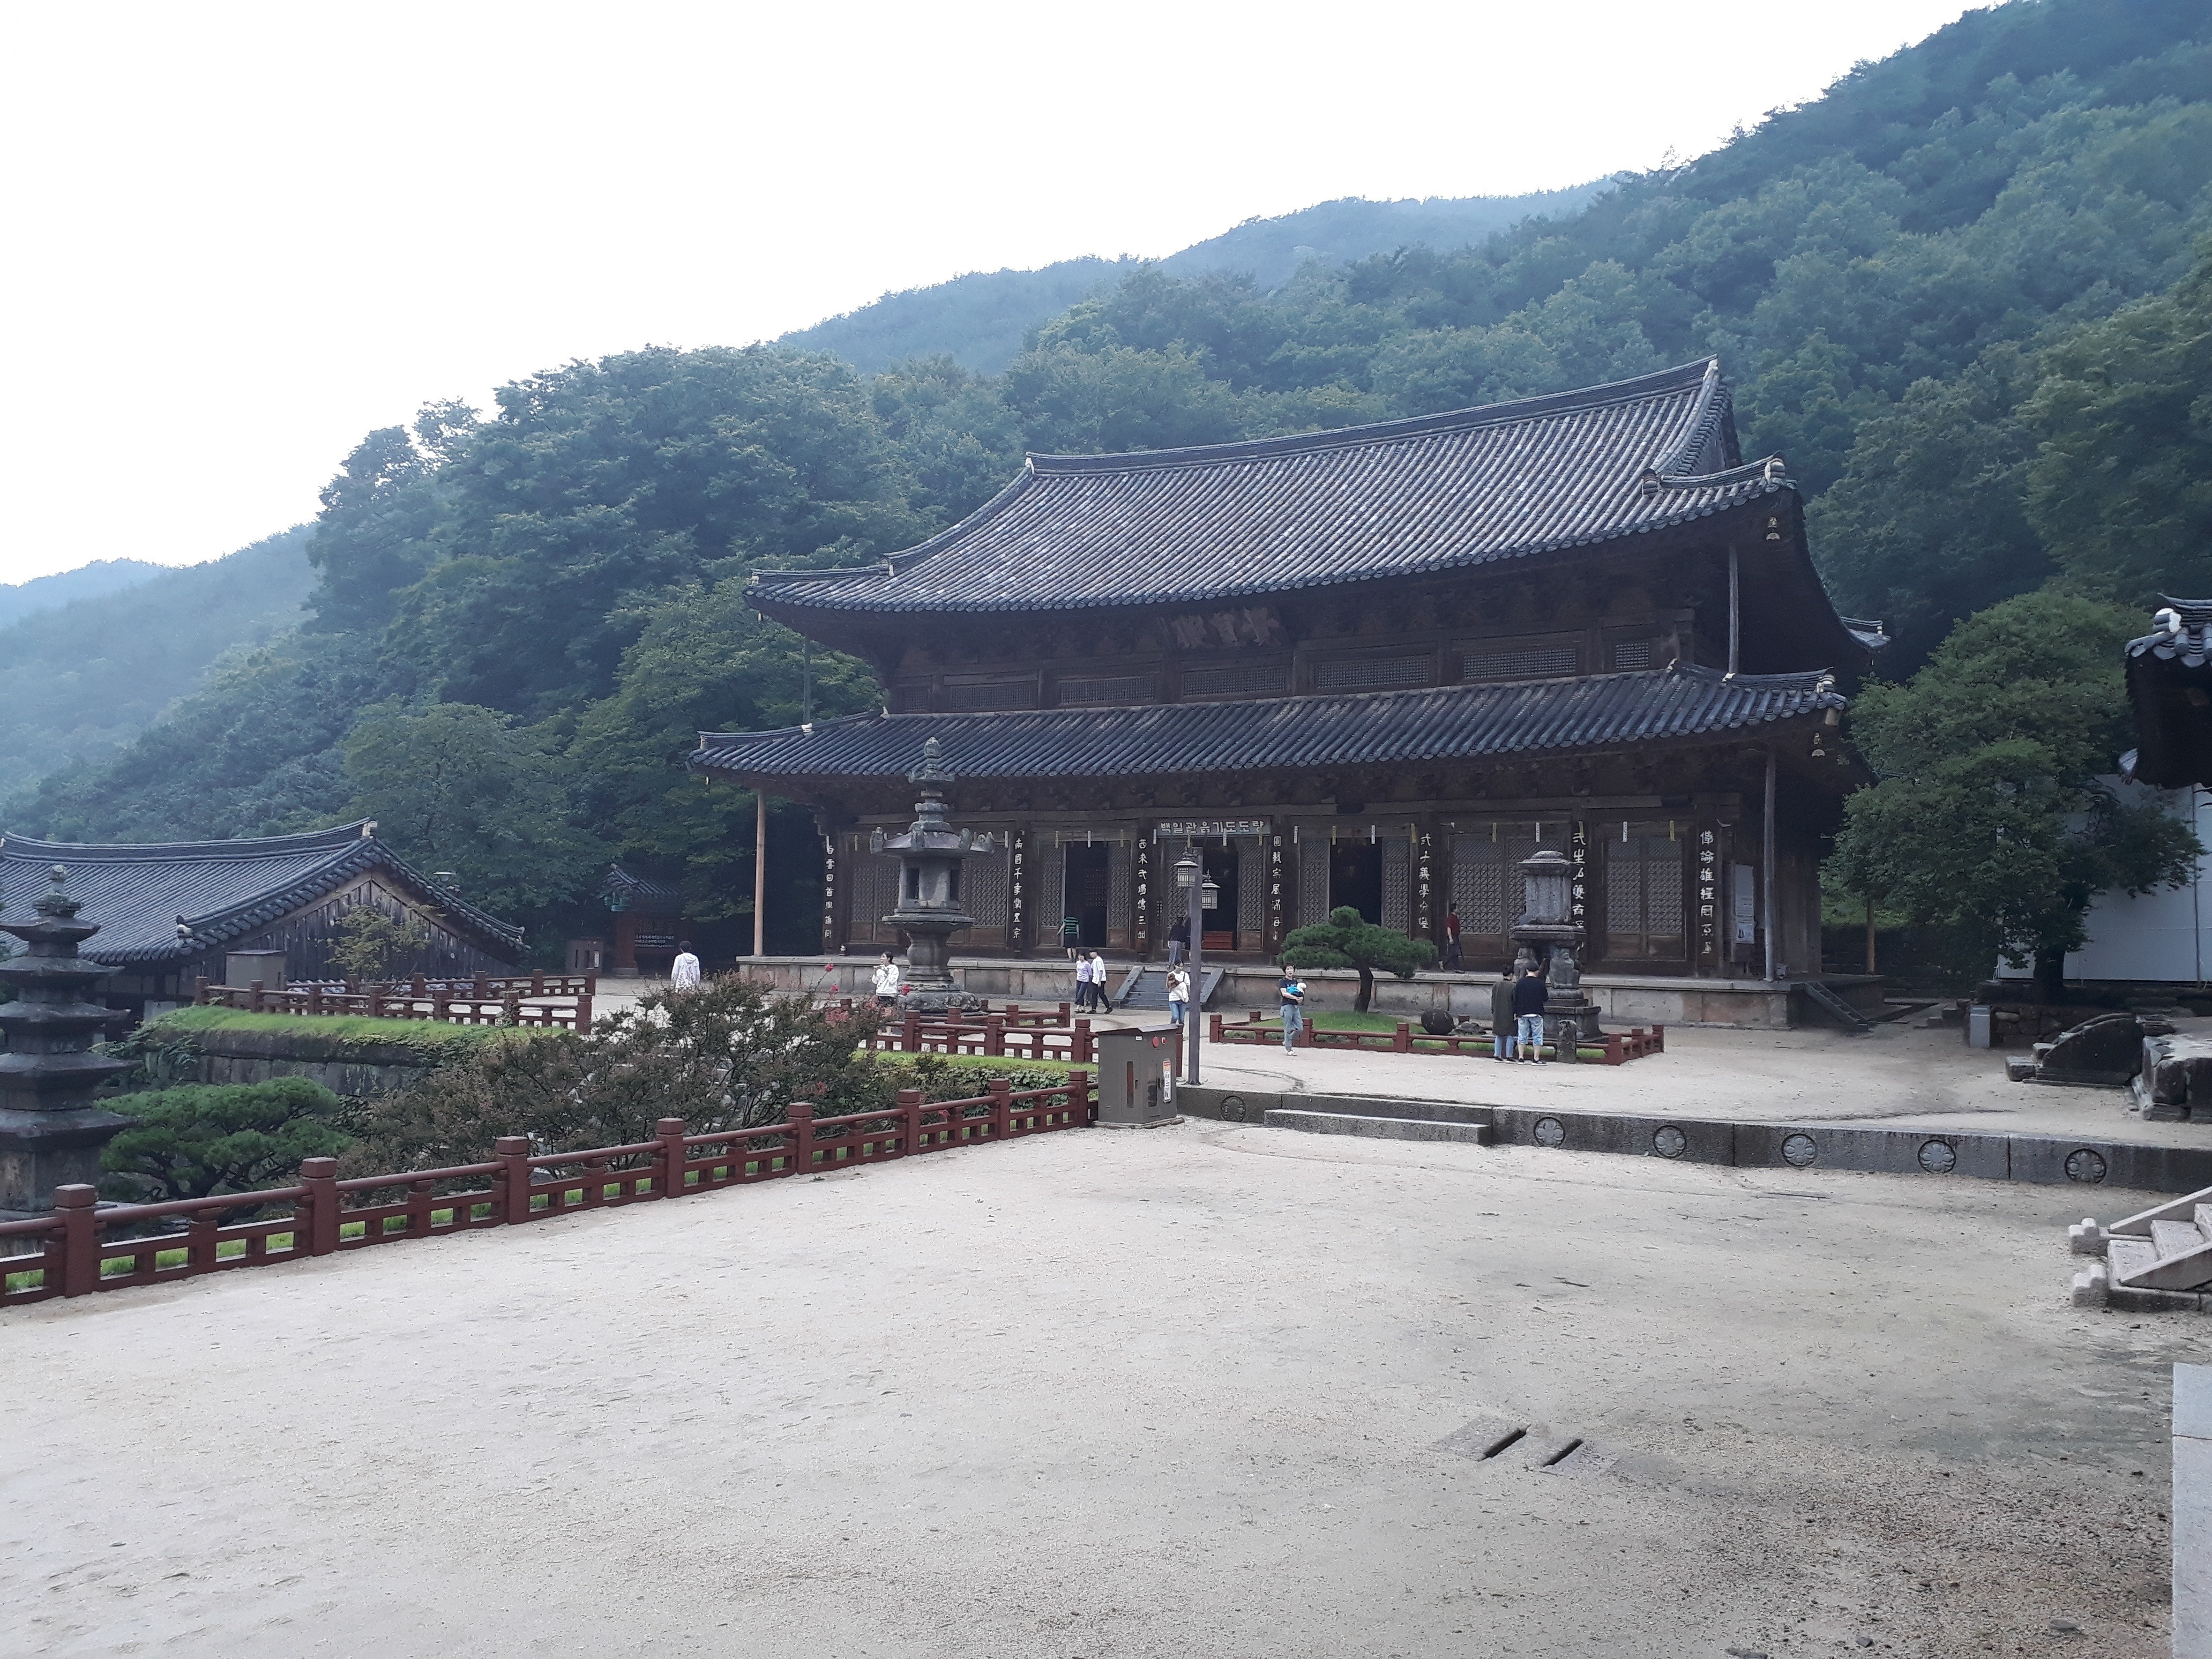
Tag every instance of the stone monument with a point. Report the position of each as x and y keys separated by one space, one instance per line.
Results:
x=1551 y=939
x=930 y=910
x=51 y=1131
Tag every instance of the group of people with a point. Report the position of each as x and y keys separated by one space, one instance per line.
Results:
x=1091 y=981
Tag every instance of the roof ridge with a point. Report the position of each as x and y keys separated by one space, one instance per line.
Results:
x=242 y=847
x=1707 y=370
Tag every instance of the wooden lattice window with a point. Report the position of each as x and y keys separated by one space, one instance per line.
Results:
x=1644 y=866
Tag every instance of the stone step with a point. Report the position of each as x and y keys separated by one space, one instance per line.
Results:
x=2129 y=1256
x=2175 y=1237
x=2138 y=1264
x=1379 y=1128
x=1434 y=1111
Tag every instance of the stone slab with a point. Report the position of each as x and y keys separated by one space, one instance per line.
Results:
x=1379 y=1128
x=2192 y=1512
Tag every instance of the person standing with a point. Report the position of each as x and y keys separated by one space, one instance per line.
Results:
x=1529 y=1017
x=1178 y=941
x=1178 y=993
x=887 y=982
x=684 y=972
x=1098 y=980
x=1292 y=994
x=1081 y=983
x=1451 y=939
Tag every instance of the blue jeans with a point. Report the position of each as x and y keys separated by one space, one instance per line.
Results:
x=1501 y=1044
x=1175 y=949
x=1294 y=1018
x=1531 y=1034
x=1175 y=1010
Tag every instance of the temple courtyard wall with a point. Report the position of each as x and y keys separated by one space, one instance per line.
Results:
x=1200 y=1390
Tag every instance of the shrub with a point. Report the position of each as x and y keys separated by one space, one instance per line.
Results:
x=205 y=1139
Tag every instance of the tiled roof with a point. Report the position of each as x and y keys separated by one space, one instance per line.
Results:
x=621 y=890
x=1405 y=497
x=2167 y=680
x=223 y=889
x=1459 y=722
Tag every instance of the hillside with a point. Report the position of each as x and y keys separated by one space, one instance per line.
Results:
x=21 y=600
x=982 y=320
x=1967 y=294
x=81 y=679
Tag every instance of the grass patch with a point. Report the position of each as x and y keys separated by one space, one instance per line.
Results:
x=1332 y=1019
x=340 y=1028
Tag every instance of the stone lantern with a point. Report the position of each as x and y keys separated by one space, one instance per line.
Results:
x=51 y=1132
x=930 y=907
x=1551 y=939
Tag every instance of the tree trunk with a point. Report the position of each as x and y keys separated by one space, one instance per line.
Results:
x=1366 y=989
x=1870 y=967
x=2050 y=976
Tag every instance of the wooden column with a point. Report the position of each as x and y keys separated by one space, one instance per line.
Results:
x=760 y=873
x=1766 y=865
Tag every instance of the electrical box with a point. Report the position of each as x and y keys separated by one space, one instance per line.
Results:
x=1137 y=1068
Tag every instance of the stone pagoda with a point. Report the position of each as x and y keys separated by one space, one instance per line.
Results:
x=930 y=911
x=1550 y=939
x=50 y=1130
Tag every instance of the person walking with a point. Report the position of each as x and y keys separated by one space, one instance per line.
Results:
x=1099 y=979
x=1081 y=983
x=1451 y=939
x=1178 y=993
x=1292 y=994
x=684 y=972
x=887 y=982
x=1178 y=941
x=1529 y=1017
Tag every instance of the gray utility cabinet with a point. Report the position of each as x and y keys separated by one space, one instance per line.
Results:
x=1137 y=1068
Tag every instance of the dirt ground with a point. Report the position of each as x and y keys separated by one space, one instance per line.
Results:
x=1203 y=1390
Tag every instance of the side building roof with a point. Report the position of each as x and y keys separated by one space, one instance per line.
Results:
x=1458 y=722
x=1221 y=521
x=221 y=889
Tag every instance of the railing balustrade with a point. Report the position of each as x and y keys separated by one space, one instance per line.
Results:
x=1612 y=1048
x=540 y=1000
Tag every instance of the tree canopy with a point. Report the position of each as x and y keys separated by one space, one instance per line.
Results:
x=1348 y=939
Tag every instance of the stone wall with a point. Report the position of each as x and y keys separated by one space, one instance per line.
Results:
x=347 y=1067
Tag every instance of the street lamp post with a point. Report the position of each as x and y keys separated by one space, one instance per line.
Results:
x=1199 y=896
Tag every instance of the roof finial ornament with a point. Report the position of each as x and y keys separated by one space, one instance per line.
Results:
x=931 y=770
x=2168 y=622
x=55 y=900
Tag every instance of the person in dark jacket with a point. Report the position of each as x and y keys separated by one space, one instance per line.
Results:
x=1178 y=941
x=1529 y=1017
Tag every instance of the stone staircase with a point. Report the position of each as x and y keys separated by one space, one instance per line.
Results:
x=1144 y=987
x=1384 y=1120
x=2161 y=1258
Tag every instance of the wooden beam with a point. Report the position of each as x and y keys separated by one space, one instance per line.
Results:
x=760 y=873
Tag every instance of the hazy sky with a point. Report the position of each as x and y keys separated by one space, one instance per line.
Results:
x=241 y=236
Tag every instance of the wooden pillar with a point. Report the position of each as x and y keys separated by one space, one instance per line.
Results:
x=760 y=873
x=1870 y=967
x=1736 y=626
x=1766 y=865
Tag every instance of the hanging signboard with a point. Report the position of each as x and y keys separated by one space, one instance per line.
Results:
x=1209 y=829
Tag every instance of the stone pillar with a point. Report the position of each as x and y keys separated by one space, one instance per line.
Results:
x=51 y=1132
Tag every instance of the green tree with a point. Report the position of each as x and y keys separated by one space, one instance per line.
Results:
x=1347 y=940
x=454 y=786
x=204 y=1138
x=1992 y=812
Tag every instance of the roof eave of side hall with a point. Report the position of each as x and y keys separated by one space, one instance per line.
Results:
x=352 y=848
x=1711 y=406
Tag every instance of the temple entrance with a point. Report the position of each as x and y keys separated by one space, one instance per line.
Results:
x=1221 y=921
x=1090 y=883
x=1355 y=877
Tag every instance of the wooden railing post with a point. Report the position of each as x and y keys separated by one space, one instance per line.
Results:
x=417 y=988
x=674 y=1156
x=1404 y=1043
x=200 y=992
x=537 y=982
x=909 y=1111
x=910 y=1041
x=375 y=1000
x=995 y=1037
x=510 y=1009
x=800 y=1113
x=1001 y=1090
x=317 y=1232
x=1079 y=1050
x=584 y=1010
x=513 y=1152
x=80 y=1238
x=1064 y=1010
x=1212 y=1027
x=1658 y=1039
x=255 y=993
x=1079 y=1099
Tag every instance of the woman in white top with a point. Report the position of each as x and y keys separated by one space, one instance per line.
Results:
x=887 y=982
x=1178 y=993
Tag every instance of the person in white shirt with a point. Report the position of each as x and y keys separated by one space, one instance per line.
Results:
x=887 y=982
x=683 y=974
x=1097 y=982
x=1178 y=993
x=1082 y=982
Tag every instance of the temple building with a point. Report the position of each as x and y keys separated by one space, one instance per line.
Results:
x=1375 y=667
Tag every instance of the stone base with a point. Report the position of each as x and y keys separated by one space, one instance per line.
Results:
x=42 y=1151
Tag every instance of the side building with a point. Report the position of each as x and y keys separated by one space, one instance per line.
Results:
x=1375 y=667
x=171 y=912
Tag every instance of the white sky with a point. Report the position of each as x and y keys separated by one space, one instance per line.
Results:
x=239 y=236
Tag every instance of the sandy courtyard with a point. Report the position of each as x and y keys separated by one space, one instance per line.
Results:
x=1202 y=1390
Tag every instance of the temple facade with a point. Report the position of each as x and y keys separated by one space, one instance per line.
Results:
x=1376 y=666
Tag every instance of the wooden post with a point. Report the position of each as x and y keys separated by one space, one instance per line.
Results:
x=200 y=1244
x=1080 y=1050
x=1870 y=967
x=1079 y=1099
x=910 y=1032
x=801 y=1115
x=1736 y=628
x=995 y=1037
x=200 y=992
x=1402 y=1043
x=1215 y=1033
x=584 y=1010
x=760 y=874
x=255 y=995
x=320 y=1176
x=1001 y=1090
x=909 y=1111
x=674 y=1157
x=513 y=1152
x=1766 y=875
x=80 y=1238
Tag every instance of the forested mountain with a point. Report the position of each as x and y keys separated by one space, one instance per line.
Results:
x=82 y=679
x=982 y=320
x=1967 y=294
x=21 y=599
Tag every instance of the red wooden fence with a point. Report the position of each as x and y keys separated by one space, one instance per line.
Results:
x=1613 y=1048
x=535 y=999
x=79 y=1250
x=993 y=1035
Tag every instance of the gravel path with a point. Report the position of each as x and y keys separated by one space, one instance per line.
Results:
x=1198 y=1391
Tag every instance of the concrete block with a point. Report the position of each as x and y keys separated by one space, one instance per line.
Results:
x=1379 y=1128
x=2192 y=1512
x=2085 y=1238
x=2092 y=1286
